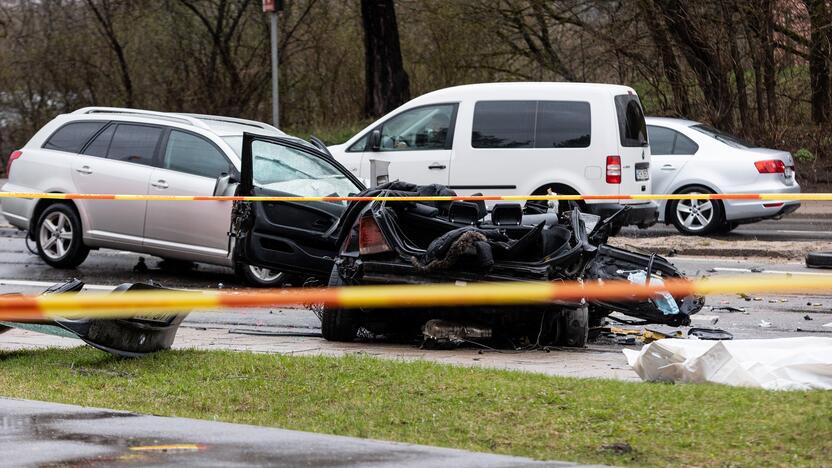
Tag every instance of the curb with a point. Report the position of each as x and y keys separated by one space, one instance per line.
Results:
x=706 y=252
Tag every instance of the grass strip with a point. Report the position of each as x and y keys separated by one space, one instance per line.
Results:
x=420 y=402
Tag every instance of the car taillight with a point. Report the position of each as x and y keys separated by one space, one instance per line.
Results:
x=770 y=166
x=370 y=239
x=12 y=157
x=613 y=169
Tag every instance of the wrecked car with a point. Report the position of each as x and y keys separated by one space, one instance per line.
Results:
x=127 y=337
x=403 y=242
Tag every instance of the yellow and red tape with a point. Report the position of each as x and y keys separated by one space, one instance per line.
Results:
x=642 y=197
x=37 y=308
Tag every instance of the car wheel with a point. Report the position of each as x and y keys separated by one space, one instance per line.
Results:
x=260 y=277
x=338 y=324
x=696 y=217
x=58 y=237
x=575 y=327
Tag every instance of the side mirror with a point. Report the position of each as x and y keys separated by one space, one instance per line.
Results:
x=225 y=186
x=375 y=140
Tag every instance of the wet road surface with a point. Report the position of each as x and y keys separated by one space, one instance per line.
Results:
x=48 y=434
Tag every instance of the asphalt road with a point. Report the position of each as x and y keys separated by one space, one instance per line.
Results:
x=794 y=227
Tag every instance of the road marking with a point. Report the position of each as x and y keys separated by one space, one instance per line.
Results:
x=790 y=231
x=772 y=272
x=46 y=284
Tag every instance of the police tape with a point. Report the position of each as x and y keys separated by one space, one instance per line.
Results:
x=778 y=197
x=154 y=303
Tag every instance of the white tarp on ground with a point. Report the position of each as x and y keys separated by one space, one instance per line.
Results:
x=776 y=364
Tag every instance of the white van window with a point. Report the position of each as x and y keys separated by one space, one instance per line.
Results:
x=504 y=124
x=531 y=124
x=423 y=128
x=562 y=124
x=632 y=128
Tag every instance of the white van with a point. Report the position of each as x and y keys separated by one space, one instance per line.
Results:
x=516 y=139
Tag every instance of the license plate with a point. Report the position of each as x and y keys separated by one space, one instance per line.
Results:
x=642 y=174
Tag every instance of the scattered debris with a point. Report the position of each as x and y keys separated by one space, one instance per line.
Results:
x=729 y=309
x=765 y=324
x=776 y=364
x=443 y=333
x=127 y=337
x=709 y=319
x=827 y=325
x=710 y=334
x=806 y=317
x=757 y=270
x=758 y=298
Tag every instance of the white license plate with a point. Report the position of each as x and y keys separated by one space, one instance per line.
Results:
x=642 y=174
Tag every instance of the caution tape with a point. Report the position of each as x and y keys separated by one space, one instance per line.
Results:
x=149 y=303
x=642 y=197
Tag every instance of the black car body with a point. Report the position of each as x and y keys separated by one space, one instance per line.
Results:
x=405 y=242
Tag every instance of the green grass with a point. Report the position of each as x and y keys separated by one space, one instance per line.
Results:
x=486 y=410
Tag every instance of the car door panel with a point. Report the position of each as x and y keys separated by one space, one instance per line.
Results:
x=296 y=237
x=186 y=228
x=190 y=166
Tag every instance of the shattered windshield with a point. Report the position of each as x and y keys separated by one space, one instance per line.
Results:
x=289 y=170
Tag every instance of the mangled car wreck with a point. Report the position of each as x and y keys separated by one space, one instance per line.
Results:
x=404 y=242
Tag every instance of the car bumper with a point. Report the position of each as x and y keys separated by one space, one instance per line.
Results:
x=642 y=215
x=746 y=211
x=17 y=211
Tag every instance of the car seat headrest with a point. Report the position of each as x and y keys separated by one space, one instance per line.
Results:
x=463 y=213
x=507 y=214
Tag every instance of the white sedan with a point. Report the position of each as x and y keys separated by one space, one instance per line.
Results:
x=690 y=157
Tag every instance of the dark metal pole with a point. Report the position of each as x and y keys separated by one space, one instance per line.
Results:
x=275 y=89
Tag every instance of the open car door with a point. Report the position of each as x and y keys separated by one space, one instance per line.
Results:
x=295 y=237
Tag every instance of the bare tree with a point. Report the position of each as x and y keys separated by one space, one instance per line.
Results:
x=103 y=11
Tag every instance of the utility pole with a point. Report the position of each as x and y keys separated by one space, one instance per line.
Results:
x=273 y=8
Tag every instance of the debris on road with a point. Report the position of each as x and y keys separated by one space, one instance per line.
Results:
x=133 y=337
x=710 y=334
x=729 y=309
x=806 y=317
x=776 y=364
x=443 y=333
x=709 y=319
x=765 y=324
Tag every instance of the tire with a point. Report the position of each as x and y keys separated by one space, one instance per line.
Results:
x=260 y=277
x=338 y=324
x=59 y=238
x=819 y=260
x=696 y=217
x=575 y=327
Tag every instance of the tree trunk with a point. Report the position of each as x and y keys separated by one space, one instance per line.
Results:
x=769 y=72
x=703 y=59
x=672 y=71
x=736 y=64
x=819 y=50
x=387 y=84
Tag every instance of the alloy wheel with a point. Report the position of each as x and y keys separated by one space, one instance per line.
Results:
x=56 y=235
x=264 y=274
x=695 y=215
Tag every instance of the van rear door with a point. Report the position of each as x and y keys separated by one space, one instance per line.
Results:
x=633 y=147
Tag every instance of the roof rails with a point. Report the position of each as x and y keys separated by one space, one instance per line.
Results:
x=234 y=120
x=179 y=118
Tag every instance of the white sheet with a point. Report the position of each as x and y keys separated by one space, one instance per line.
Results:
x=777 y=364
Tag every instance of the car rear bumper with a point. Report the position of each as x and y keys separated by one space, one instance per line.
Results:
x=642 y=215
x=746 y=211
x=17 y=211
